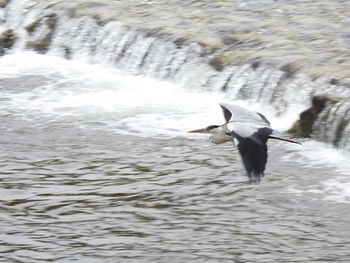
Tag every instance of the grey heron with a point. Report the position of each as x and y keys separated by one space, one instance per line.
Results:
x=250 y=132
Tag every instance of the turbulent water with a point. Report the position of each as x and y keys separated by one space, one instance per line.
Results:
x=96 y=35
x=97 y=165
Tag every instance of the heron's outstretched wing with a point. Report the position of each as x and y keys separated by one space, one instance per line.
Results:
x=263 y=118
x=234 y=113
x=253 y=150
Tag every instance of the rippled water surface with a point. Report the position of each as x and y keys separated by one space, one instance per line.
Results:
x=75 y=188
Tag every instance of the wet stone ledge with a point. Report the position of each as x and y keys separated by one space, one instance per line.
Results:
x=309 y=37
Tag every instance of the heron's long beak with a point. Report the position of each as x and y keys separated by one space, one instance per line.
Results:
x=203 y=130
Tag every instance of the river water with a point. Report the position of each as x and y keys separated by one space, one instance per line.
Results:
x=96 y=166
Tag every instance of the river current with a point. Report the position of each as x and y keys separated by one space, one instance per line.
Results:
x=97 y=166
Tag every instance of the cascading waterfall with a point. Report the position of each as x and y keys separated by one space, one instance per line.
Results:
x=114 y=44
x=56 y=31
x=332 y=125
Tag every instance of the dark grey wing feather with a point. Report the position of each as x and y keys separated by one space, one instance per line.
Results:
x=253 y=150
x=264 y=118
x=227 y=114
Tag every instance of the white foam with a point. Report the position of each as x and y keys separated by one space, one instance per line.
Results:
x=337 y=189
x=321 y=156
x=87 y=94
x=129 y=104
x=317 y=154
x=150 y=107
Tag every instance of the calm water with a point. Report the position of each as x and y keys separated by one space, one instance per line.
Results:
x=96 y=166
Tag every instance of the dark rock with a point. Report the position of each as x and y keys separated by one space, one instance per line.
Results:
x=67 y=52
x=180 y=42
x=42 y=44
x=7 y=40
x=334 y=81
x=231 y=41
x=289 y=70
x=303 y=127
x=49 y=20
x=3 y=3
x=255 y=65
x=216 y=63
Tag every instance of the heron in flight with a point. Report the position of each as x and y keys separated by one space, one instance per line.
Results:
x=250 y=132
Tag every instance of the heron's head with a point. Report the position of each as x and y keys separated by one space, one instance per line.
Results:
x=209 y=129
x=218 y=133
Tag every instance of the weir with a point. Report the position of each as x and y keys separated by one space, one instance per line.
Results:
x=47 y=28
